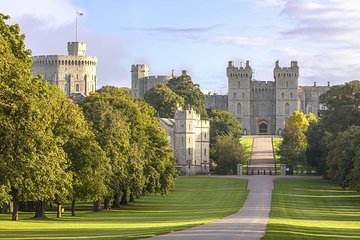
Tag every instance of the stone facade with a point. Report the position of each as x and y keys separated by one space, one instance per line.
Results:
x=217 y=101
x=262 y=107
x=74 y=73
x=189 y=137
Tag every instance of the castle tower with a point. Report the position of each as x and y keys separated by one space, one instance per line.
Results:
x=138 y=84
x=74 y=73
x=286 y=82
x=191 y=142
x=239 y=90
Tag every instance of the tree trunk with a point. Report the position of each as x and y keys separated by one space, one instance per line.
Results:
x=73 y=208
x=131 y=197
x=137 y=195
x=107 y=204
x=124 y=197
x=40 y=210
x=116 y=202
x=15 y=213
x=97 y=206
x=58 y=211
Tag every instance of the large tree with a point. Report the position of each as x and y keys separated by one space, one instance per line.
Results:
x=184 y=87
x=293 y=147
x=342 y=107
x=164 y=100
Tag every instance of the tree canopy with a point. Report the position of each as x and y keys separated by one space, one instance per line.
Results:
x=164 y=100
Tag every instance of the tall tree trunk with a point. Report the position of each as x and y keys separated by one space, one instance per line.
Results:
x=137 y=195
x=73 y=207
x=107 y=204
x=15 y=213
x=58 y=210
x=124 y=200
x=97 y=206
x=116 y=202
x=131 y=197
x=40 y=210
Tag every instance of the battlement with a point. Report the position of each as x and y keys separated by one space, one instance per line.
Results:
x=77 y=48
x=232 y=65
x=263 y=84
x=187 y=114
x=51 y=60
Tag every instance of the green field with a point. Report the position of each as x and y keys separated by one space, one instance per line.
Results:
x=313 y=209
x=195 y=201
x=247 y=142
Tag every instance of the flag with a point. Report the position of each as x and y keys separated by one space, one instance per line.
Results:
x=79 y=13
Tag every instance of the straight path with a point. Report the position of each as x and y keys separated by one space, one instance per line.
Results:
x=249 y=223
x=262 y=157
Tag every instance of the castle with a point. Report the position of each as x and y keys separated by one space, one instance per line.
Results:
x=189 y=137
x=74 y=73
x=262 y=107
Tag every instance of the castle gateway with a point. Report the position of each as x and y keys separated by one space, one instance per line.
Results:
x=262 y=107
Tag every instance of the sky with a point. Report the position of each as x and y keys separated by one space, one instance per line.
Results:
x=200 y=36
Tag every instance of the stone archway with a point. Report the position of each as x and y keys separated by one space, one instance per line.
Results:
x=263 y=127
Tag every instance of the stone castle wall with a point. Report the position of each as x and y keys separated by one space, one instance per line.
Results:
x=74 y=73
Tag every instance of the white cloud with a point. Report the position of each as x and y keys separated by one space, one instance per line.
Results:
x=52 y=13
x=238 y=40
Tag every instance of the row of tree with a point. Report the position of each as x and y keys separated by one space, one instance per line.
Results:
x=332 y=144
x=109 y=148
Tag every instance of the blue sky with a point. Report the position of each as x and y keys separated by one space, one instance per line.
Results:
x=200 y=36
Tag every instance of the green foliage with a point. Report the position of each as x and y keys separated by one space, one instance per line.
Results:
x=222 y=123
x=311 y=208
x=190 y=92
x=148 y=216
x=343 y=150
x=164 y=100
x=342 y=103
x=133 y=140
x=316 y=147
x=227 y=152
x=294 y=144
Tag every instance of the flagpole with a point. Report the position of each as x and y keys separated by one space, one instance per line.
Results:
x=76 y=30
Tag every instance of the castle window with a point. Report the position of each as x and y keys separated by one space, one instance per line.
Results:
x=66 y=87
x=238 y=84
x=189 y=151
x=204 y=151
x=77 y=87
x=205 y=135
x=189 y=140
x=287 y=108
x=238 y=108
x=243 y=95
x=287 y=84
x=282 y=95
x=291 y=95
x=262 y=109
x=234 y=95
x=309 y=108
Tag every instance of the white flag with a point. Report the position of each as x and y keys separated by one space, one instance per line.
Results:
x=79 y=13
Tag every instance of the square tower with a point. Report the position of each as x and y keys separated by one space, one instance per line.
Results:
x=286 y=82
x=239 y=99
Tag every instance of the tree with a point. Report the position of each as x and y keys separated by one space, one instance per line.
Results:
x=185 y=88
x=293 y=147
x=316 y=147
x=342 y=107
x=164 y=100
x=227 y=152
x=343 y=150
x=32 y=163
x=222 y=123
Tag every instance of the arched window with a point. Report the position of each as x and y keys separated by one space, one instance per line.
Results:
x=189 y=151
x=309 y=108
x=238 y=108
x=234 y=95
x=243 y=95
x=238 y=84
x=77 y=87
x=287 y=108
x=282 y=95
x=262 y=109
x=204 y=151
x=287 y=84
x=66 y=87
x=291 y=95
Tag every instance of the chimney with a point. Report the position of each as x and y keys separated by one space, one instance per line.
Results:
x=328 y=84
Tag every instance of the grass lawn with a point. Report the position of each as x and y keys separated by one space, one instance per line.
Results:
x=247 y=142
x=195 y=201
x=313 y=209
